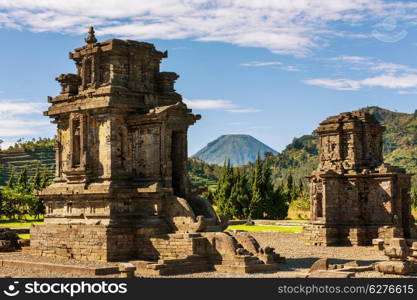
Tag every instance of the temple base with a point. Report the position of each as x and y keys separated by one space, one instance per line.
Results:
x=153 y=253
x=339 y=235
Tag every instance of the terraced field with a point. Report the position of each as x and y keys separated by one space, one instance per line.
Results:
x=18 y=160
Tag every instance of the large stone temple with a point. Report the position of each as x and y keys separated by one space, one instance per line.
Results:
x=121 y=190
x=356 y=197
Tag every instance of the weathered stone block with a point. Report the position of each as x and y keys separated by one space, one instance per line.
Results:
x=321 y=264
x=396 y=267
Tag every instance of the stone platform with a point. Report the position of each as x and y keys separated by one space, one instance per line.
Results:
x=333 y=234
x=152 y=253
x=64 y=268
x=181 y=253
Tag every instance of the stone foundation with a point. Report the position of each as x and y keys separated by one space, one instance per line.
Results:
x=160 y=254
x=91 y=242
x=170 y=246
x=83 y=242
x=333 y=235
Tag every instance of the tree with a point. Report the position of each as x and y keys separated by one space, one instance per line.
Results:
x=255 y=209
x=256 y=203
x=22 y=181
x=19 y=197
x=280 y=204
x=11 y=181
x=290 y=183
x=250 y=195
x=1 y=201
x=300 y=187
x=36 y=206
x=240 y=195
x=44 y=182
x=37 y=180
x=208 y=195
x=223 y=191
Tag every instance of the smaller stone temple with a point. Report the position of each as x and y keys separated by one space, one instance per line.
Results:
x=121 y=190
x=356 y=197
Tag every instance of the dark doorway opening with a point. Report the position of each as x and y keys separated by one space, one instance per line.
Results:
x=405 y=204
x=76 y=144
x=319 y=205
x=177 y=162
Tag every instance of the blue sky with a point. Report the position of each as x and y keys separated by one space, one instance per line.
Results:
x=272 y=69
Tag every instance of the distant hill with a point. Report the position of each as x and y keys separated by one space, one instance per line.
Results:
x=240 y=149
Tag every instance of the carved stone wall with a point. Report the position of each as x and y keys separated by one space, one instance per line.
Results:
x=121 y=188
x=120 y=151
x=353 y=193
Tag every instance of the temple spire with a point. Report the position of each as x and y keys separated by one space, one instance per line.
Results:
x=91 y=38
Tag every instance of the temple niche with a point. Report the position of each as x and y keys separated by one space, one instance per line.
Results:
x=354 y=196
x=121 y=191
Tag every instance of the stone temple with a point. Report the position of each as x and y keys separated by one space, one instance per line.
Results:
x=356 y=197
x=121 y=191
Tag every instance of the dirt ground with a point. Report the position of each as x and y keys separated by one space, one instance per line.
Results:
x=299 y=258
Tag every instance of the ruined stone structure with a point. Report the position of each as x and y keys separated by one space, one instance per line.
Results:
x=402 y=257
x=121 y=190
x=355 y=197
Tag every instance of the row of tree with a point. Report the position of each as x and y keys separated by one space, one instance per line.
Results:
x=19 y=199
x=243 y=193
x=32 y=145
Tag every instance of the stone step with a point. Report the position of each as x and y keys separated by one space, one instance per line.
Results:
x=171 y=268
x=187 y=260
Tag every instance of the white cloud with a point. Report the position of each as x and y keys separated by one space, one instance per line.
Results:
x=20 y=107
x=238 y=123
x=261 y=63
x=370 y=64
x=349 y=58
x=391 y=68
x=380 y=74
x=23 y=128
x=291 y=68
x=244 y=110
x=407 y=92
x=288 y=68
x=383 y=81
x=284 y=27
x=335 y=84
x=226 y=105
x=181 y=48
x=391 y=82
x=21 y=118
x=208 y=104
x=261 y=127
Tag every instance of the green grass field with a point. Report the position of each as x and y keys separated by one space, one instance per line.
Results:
x=257 y=228
x=15 y=223
x=25 y=236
